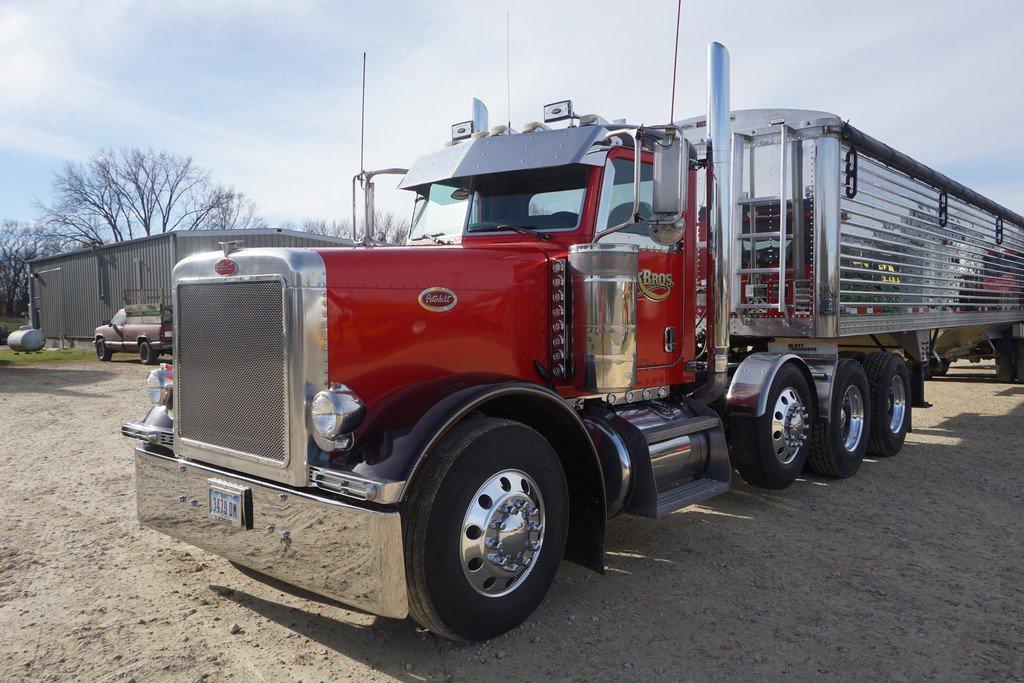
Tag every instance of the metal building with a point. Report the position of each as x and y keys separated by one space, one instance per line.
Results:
x=72 y=293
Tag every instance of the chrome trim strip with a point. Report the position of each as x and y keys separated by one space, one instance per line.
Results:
x=343 y=552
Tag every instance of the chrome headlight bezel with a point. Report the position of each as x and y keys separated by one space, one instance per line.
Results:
x=335 y=411
x=160 y=387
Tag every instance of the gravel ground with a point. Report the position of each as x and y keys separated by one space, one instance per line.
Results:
x=911 y=569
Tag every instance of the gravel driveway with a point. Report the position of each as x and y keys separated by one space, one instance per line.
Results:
x=914 y=568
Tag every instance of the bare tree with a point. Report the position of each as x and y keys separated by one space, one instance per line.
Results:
x=387 y=227
x=115 y=196
x=19 y=243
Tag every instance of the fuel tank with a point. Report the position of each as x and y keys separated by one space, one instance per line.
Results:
x=401 y=315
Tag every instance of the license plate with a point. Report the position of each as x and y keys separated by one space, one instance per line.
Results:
x=228 y=503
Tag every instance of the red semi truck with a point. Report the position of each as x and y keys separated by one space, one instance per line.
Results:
x=588 y=320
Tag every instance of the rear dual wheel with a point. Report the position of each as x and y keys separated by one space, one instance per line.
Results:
x=889 y=382
x=484 y=529
x=837 y=447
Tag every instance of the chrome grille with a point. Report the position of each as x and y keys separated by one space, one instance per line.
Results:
x=230 y=366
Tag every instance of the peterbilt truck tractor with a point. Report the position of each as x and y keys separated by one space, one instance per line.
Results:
x=589 y=319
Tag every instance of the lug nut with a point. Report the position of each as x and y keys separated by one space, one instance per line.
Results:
x=492 y=543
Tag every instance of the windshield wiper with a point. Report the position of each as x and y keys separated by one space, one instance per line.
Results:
x=521 y=229
x=433 y=238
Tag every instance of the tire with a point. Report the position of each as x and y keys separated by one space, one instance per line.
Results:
x=939 y=369
x=1010 y=359
x=837 y=448
x=883 y=369
x=147 y=354
x=438 y=523
x=754 y=450
x=103 y=353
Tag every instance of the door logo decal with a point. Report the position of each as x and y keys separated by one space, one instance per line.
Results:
x=438 y=299
x=224 y=266
x=655 y=286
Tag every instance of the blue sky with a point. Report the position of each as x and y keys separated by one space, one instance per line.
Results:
x=266 y=94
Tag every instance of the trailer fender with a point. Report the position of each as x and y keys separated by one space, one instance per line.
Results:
x=401 y=456
x=748 y=389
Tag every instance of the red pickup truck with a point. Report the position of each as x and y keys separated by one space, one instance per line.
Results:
x=145 y=328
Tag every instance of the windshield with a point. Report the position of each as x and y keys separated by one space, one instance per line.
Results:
x=538 y=199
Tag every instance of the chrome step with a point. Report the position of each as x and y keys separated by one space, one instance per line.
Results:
x=688 y=494
x=673 y=430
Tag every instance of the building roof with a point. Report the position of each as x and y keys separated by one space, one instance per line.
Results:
x=339 y=241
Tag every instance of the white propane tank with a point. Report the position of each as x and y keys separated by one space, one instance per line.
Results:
x=26 y=339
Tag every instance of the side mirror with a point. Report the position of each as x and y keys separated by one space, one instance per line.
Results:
x=671 y=163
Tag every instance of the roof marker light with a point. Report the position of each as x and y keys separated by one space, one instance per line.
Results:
x=558 y=111
x=535 y=126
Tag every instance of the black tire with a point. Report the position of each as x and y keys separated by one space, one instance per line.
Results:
x=881 y=368
x=1010 y=359
x=751 y=445
x=828 y=453
x=103 y=353
x=147 y=354
x=939 y=369
x=441 y=597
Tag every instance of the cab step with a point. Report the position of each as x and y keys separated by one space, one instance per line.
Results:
x=694 y=492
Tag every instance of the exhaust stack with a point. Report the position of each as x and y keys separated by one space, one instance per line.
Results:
x=720 y=213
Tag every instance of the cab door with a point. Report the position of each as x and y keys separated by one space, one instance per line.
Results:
x=659 y=292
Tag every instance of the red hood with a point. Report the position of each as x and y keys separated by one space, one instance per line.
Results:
x=381 y=337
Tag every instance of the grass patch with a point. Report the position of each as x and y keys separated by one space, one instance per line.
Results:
x=12 y=323
x=8 y=357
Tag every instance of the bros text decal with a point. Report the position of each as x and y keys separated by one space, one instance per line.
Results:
x=655 y=286
x=438 y=299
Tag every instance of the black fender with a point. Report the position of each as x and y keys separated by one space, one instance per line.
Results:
x=397 y=435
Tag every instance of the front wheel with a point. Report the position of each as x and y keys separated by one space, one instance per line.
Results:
x=147 y=354
x=484 y=528
x=770 y=450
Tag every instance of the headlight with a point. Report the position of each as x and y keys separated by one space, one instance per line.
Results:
x=336 y=411
x=160 y=387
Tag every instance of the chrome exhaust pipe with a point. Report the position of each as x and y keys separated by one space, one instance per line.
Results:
x=720 y=217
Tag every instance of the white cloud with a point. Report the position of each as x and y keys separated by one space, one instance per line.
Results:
x=267 y=95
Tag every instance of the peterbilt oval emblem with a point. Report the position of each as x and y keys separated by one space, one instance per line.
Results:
x=655 y=286
x=438 y=299
x=224 y=266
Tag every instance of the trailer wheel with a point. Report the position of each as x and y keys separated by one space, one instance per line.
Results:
x=837 y=447
x=890 y=403
x=147 y=354
x=103 y=352
x=485 y=526
x=770 y=451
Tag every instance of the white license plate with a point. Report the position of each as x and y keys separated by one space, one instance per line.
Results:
x=227 y=503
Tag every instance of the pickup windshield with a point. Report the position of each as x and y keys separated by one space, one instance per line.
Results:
x=538 y=200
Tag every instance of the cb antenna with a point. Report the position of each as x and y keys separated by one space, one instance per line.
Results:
x=508 y=74
x=675 y=63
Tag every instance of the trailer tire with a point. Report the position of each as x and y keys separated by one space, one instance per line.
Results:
x=147 y=354
x=103 y=351
x=448 y=516
x=761 y=452
x=837 y=447
x=890 y=407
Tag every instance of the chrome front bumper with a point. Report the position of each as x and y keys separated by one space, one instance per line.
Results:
x=347 y=553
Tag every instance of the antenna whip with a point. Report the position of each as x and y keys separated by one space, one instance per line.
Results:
x=675 y=62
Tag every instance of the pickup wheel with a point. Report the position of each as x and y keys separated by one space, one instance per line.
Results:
x=837 y=447
x=889 y=382
x=147 y=354
x=102 y=351
x=770 y=451
x=484 y=529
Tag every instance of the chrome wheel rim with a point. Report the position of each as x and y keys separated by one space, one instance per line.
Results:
x=789 y=425
x=851 y=419
x=897 y=404
x=502 y=533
